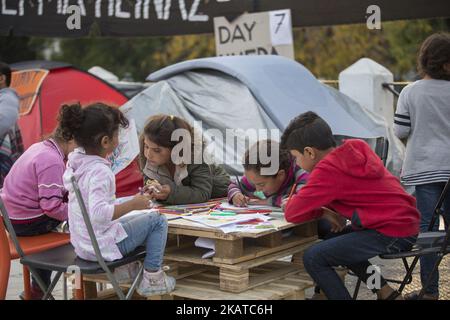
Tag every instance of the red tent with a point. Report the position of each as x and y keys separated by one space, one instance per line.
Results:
x=43 y=86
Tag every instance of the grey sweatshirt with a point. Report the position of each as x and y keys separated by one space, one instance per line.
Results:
x=9 y=110
x=423 y=117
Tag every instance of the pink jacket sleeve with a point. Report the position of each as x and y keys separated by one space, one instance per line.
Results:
x=52 y=195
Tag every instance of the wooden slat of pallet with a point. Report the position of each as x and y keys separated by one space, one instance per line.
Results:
x=190 y=228
x=273 y=256
x=200 y=232
x=251 y=253
x=239 y=281
x=229 y=249
x=107 y=294
x=193 y=254
x=191 y=257
x=205 y=286
x=110 y=294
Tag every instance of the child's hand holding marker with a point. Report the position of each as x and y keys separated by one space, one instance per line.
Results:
x=161 y=192
x=152 y=186
x=239 y=200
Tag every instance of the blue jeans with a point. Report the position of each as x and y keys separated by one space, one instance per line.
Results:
x=351 y=250
x=427 y=196
x=149 y=229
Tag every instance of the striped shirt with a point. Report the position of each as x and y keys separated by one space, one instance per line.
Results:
x=295 y=175
x=423 y=118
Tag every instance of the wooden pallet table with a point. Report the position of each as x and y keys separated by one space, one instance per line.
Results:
x=244 y=265
x=238 y=254
x=205 y=286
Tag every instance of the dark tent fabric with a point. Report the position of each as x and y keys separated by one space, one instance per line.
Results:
x=66 y=84
x=170 y=17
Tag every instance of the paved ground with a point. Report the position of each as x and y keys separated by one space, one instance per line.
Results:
x=15 y=285
x=390 y=269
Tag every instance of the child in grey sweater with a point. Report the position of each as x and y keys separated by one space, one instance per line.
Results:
x=423 y=118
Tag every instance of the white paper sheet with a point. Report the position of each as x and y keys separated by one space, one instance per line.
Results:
x=206 y=243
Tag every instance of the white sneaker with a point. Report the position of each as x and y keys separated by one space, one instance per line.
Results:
x=156 y=283
x=127 y=273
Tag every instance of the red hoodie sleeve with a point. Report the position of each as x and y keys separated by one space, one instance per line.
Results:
x=319 y=191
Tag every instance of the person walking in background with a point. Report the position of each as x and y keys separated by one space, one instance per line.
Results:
x=11 y=146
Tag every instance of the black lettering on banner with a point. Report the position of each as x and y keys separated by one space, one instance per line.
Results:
x=223 y=29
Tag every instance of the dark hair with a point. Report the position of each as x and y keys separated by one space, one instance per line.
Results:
x=87 y=126
x=6 y=71
x=307 y=130
x=434 y=54
x=159 y=129
x=285 y=158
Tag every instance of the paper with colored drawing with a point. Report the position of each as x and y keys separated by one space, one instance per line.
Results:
x=128 y=148
x=230 y=207
x=135 y=213
x=221 y=221
x=253 y=226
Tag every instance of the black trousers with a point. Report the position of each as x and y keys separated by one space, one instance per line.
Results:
x=42 y=226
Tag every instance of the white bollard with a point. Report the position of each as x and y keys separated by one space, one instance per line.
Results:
x=362 y=82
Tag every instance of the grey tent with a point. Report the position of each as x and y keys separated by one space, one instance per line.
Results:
x=248 y=92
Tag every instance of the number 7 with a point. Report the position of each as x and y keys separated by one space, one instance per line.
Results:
x=283 y=15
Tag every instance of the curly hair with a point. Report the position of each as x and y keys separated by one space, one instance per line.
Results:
x=87 y=126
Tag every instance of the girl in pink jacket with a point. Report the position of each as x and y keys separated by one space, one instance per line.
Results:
x=34 y=194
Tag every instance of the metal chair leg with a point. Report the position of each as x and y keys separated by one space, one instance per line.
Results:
x=408 y=275
x=39 y=281
x=52 y=286
x=358 y=285
x=135 y=283
x=115 y=284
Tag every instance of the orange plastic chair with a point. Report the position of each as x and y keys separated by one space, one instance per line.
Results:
x=5 y=261
x=29 y=245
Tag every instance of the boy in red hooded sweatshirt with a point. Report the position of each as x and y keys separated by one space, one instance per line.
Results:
x=347 y=182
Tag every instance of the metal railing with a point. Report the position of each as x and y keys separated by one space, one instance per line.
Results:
x=390 y=86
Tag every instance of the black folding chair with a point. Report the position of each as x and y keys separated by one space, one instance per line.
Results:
x=382 y=149
x=64 y=259
x=436 y=242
